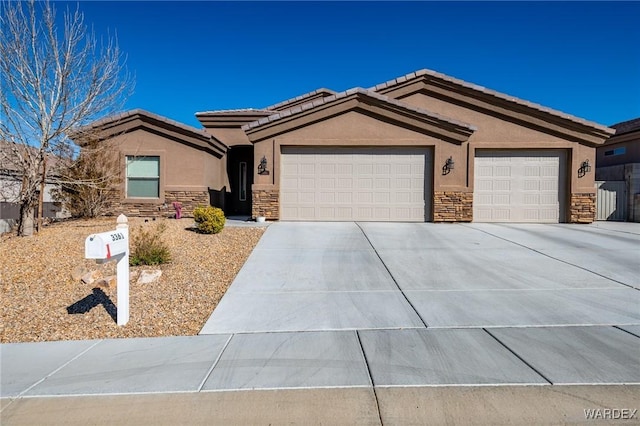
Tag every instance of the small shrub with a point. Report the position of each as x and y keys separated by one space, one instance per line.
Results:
x=210 y=220
x=147 y=247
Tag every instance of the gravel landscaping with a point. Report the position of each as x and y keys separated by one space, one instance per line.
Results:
x=38 y=291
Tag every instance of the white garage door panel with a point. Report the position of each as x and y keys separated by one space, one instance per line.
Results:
x=343 y=184
x=518 y=186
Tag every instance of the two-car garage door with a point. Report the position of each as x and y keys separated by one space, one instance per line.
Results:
x=519 y=186
x=344 y=184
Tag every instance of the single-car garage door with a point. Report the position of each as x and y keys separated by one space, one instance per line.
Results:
x=519 y=186
x=367 y=184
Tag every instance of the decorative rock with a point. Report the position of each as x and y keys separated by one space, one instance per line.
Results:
x=91 y=277
x=107 y=282
x=78 y=272
x=147 y=277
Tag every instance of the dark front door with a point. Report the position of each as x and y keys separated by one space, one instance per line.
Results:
x=240 y=170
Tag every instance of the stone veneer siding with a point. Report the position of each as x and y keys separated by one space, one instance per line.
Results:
x=265 y=202
x=452 y=206
x=189 y=199
x=582 y=208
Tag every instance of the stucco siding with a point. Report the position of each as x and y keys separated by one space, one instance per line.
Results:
x=496 y=132
x=182 y=167
x=186 y=173
x=490 y=129
x=631 y=153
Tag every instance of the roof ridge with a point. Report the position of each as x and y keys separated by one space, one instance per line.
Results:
x=300 y=97
x=490 y=92
x=232 y=110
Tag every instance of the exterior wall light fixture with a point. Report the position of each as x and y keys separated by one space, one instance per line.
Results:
x=262 y=167
x=448 y=166
x=585 y=168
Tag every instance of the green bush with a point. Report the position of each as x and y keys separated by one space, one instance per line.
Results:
x=210 y=220
x=147 y=247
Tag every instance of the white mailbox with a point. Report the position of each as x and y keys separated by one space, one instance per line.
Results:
x=114 y=245
x=106 y=245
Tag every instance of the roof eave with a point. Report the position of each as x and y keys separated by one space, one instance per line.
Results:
x=630 y=136
x=230 y=119
x=136 y=119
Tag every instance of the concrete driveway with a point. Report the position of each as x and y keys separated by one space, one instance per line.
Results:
x=346 y=304
x=367 y=276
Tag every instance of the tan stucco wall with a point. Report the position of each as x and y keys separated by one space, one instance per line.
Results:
x=632 y=154
x=230 y=136
x=182 y=167
x=355 y=129
x=495 y=133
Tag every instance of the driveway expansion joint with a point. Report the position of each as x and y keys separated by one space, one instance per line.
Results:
x=391 y=275
x=373 y=387
x=215 y=363
x=518 y=356
x=619 y=327
x=551 y=257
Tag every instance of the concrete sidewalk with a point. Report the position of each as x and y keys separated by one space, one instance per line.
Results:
x=334 y=359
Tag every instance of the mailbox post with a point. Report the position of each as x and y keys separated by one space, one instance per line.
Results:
x=114 y=245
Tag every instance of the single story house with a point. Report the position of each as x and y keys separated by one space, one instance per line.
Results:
x=618 y=162
x=421 y=147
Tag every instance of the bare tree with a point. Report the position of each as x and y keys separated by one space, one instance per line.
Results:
x=88 y=182
x=54 y=80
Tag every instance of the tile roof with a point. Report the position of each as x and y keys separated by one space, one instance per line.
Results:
x=627 y=126
x=233 y=111
x=300 y=98
x=498 y=95
x=131 y=113
x=347 y=93
x=188 y=134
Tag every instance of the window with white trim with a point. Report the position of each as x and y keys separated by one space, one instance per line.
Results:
x=143 y=176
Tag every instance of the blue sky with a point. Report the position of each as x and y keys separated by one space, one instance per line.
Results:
x=578 y=57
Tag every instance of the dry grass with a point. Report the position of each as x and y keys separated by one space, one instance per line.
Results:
x=36 y=286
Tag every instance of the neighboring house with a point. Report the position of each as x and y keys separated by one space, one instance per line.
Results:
x=422 y=147
x=618 y=160
x=10 y=182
